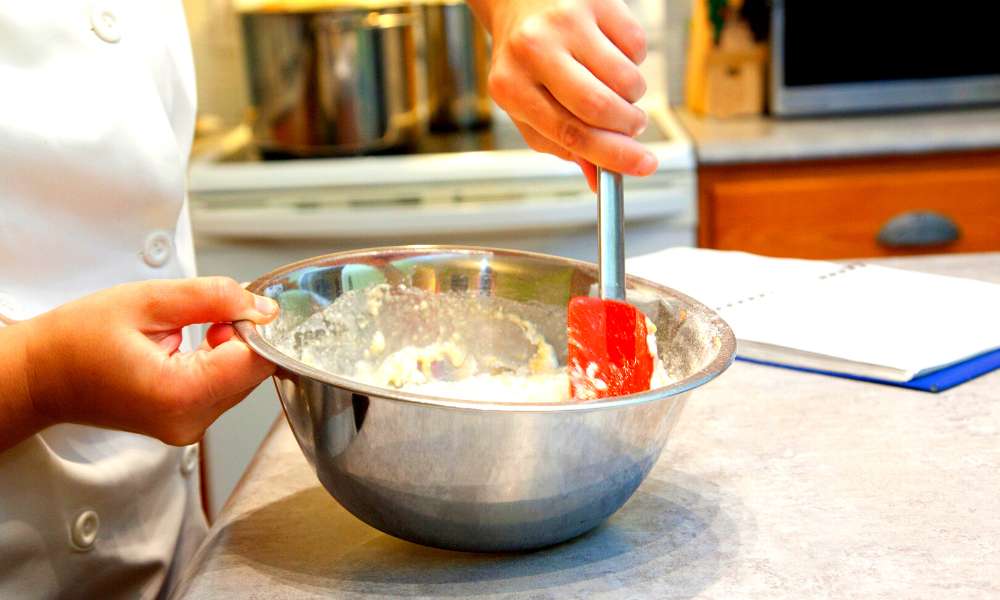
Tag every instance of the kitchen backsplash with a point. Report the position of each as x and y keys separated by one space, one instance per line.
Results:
x=218 y=57
x=675 y=40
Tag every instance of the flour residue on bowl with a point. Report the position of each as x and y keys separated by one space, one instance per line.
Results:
x=451 y=345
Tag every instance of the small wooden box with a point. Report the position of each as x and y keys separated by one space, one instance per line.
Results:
x=724 y=79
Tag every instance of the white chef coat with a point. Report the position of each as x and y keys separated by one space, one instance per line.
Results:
x=97 y=109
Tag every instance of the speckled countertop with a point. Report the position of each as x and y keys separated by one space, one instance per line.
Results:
x=775 y=484
x=766 y=139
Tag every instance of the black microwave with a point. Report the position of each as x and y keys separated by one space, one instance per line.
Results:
x=864 y=55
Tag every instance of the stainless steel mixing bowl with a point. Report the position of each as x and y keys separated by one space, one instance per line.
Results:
x=470 y=475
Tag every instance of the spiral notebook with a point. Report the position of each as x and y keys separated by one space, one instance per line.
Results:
x=855 y=320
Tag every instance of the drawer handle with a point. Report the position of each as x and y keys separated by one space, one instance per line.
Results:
x=917 y=229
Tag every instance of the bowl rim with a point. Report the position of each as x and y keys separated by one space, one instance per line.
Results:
x=250 y=334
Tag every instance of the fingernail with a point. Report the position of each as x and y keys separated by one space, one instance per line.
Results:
x=264 y=305
x=642 y=126
x=647 y=165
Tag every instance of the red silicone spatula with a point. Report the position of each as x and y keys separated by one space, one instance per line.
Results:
x=608 y=354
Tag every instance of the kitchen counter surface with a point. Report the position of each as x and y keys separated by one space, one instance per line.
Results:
x=766 y=139
x=776 y=484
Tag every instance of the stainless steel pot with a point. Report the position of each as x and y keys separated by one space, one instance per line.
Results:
x=333 y=81
x=472 y=475
x=458 y=61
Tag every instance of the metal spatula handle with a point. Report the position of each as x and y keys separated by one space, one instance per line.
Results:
x=610 y=235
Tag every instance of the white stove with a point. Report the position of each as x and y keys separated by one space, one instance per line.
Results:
x=462 y=186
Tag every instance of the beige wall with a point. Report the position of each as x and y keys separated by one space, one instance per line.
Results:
x=678 y=23
x=215 y=40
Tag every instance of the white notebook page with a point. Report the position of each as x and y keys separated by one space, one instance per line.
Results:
x=903 y=320
x=717 y=278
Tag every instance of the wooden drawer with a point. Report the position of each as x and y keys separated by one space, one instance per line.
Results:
x=836 y=209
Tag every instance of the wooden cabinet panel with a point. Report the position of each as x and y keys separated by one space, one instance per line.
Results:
x=836 y=209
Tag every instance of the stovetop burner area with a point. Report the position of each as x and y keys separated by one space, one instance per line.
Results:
x=501 y=135
x=470 y=181
x=237 y=146
x=493 y=137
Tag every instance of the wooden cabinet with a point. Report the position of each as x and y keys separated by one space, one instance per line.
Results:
x=840 y=208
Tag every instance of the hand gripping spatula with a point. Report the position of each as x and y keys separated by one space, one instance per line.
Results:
x=608 y=353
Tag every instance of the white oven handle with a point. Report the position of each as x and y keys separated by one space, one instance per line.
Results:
x=277 y=219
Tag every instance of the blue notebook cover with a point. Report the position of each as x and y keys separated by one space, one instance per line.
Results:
x=938 y=381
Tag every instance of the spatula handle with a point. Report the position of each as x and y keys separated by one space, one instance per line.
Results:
x=610 y=235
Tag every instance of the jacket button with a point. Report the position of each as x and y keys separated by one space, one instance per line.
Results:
x=189 y=459
x=83 y=534
x=157 y=249
x=104 y=22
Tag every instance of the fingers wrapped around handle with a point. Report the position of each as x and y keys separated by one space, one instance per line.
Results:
x=568 y=72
